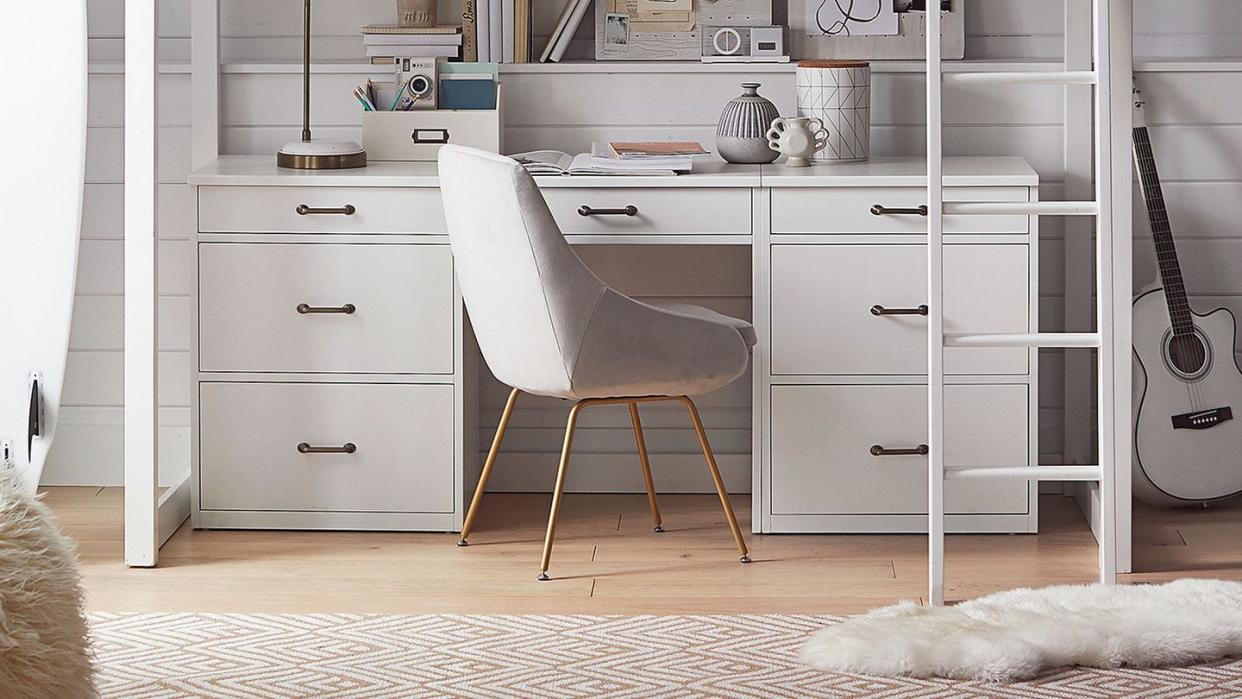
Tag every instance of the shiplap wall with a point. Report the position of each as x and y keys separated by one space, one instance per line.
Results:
x=1197 y=138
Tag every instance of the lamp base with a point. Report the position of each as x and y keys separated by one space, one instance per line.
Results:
x=321 y=155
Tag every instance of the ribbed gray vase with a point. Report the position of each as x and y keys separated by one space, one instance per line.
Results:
x=741 y=135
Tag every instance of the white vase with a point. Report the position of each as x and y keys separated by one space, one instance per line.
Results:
x=797 y=138
x=838 y=93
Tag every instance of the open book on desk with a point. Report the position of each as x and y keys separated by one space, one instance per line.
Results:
x=554 y=162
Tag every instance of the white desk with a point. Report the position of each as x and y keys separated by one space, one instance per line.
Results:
x=396 y=376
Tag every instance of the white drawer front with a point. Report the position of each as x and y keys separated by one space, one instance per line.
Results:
x=822 y=437
x=403 y=210
x=250 y=320
x=674 y=211
x=822 y=299
x=847 y=210
x=249 y=457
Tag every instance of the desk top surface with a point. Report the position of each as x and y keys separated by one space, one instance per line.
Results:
x=261 y=170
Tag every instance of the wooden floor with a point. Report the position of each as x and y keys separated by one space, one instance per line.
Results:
x=608 y=561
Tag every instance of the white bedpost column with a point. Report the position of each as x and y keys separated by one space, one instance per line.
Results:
x=935 y=330
x=141 y=289
x=1121 y=67
x=204 y=81
x=1114 y=63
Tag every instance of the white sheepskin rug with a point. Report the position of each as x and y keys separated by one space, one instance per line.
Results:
x=44 y=649
x=1016 y=635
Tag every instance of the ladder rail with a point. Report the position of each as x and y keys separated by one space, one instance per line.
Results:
x=1109 y=18
x=1104 y=275
x=935 y=304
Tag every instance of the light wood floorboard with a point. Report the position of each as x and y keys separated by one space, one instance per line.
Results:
x=608 y=561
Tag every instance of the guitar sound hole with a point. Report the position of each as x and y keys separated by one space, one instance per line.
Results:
x=1187 y=355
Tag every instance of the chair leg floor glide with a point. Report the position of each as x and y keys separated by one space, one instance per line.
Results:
x=657 y=524
x=563 y=468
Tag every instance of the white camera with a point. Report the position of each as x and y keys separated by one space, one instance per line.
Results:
x=416 y=83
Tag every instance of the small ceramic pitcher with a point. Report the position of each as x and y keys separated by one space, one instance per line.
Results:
x=797 y=138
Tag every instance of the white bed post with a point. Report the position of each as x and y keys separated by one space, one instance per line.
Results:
x=1117 y=504
x=141 y=284
x=935 y=329
x=205 y=81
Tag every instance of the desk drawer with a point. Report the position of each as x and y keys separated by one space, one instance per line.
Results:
x=822 y=438
x=672 y=211
x=847 y=210
x=404 y=210
x=250 y=436
x=822 y=299
x=252 y=319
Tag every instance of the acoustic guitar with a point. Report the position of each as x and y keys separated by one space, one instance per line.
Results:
x=1187 y=444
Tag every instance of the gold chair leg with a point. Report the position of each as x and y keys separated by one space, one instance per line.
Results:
x=487 y=468
x=559 y=489
x=720 y=486
x=656 y=522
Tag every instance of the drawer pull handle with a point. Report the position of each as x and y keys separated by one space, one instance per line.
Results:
x=630 y=210
x=347 y=210
x=306 y=309
x=881 y=210
x=346 y=448
x=878 y=310
x=434 y=136
x=920 y=450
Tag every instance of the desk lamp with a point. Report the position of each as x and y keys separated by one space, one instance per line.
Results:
x=316 y=154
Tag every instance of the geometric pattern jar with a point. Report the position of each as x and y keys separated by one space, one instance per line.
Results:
x=838 y=93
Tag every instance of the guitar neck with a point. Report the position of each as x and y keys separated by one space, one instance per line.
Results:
x=1162 y=235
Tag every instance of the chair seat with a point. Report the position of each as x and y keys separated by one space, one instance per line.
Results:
x=632 y=348
x=744 y=328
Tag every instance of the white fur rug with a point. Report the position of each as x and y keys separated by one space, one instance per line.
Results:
x=1017 y=634
x=44 y=651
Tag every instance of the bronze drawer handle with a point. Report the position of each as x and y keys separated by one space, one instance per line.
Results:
x=881 y=210
x=346 y=448
x=878 y=310
x=306 y=309
x=347 y=210
x=920 y=450
x=630 y=210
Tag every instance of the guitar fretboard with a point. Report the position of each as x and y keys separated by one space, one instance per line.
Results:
x=1162 y=234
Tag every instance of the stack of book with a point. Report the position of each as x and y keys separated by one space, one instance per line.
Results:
x=384 y=42
x=501 y=30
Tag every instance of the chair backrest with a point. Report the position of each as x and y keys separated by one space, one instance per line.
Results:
x=529 y=295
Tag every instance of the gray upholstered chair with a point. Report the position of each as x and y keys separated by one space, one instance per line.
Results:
x=548 y=326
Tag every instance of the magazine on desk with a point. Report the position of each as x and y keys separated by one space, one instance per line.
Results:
x=555 y=162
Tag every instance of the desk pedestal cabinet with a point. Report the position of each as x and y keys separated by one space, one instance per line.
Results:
x=334 y=374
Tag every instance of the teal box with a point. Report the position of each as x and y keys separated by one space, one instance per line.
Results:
x=467 y=94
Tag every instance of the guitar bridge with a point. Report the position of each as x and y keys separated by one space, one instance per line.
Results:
x=1202 y=419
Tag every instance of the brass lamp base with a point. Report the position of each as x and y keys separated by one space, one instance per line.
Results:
x=321 y=155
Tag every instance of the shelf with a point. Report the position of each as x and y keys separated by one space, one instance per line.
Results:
x=1230 y=65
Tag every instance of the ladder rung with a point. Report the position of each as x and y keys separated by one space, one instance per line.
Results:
x=1024 y=208
x=1055 y=77
x=1063 y=340
x=1026 y=473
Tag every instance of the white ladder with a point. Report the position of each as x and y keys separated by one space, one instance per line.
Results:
x=1103 y=340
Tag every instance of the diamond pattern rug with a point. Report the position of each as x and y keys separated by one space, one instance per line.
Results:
x=349 y=655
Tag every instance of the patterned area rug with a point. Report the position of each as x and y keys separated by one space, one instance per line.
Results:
x=347 y=655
